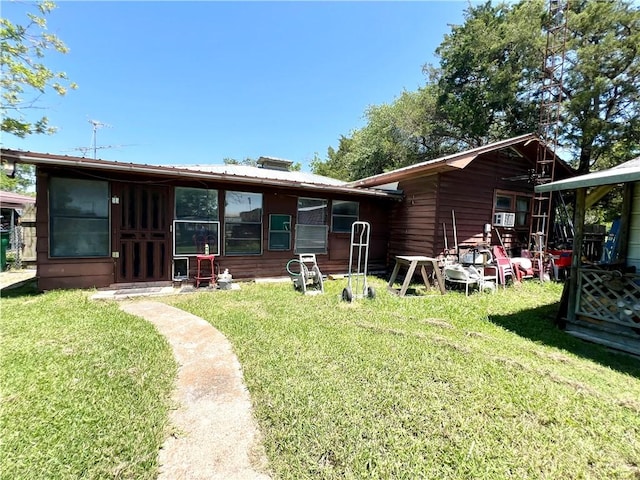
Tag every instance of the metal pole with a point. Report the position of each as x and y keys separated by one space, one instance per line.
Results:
x=455 y=233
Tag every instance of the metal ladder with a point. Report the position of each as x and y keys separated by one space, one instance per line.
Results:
x=549 y=123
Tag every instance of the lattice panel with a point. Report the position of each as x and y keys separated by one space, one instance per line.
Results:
x=610 y=296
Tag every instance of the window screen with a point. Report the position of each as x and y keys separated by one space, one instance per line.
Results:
x=243 y=223
x=79 y=218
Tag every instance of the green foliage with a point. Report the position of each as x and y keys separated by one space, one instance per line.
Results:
x=407 y=131
x=488 y=87
x=491 y=72
x=251 y=162
x=486 y=63
x=24 y=77
x=337 y=164
x=602 y=85
x=23 y=181
x=295 y=167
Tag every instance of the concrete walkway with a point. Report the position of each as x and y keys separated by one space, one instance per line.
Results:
x=215 y=435
x=15 y=278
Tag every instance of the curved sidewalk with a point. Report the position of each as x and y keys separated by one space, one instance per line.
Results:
x=215 y=434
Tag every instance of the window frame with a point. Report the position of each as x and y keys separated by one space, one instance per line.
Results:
x=198 y=221
x=54 y=216
x=287 y=230
x=303 y=228
x=194 y=218
x=212 y=251
x=334 y=215
x=513 y=207
x=230 y=222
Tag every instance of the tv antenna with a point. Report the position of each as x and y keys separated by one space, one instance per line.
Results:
x=96 y=125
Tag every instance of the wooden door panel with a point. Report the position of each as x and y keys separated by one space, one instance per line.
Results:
x=143 y=238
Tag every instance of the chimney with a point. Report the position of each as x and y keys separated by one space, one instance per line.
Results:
x=272 y=163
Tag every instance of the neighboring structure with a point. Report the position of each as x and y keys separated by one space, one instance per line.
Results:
x=603 y=300
x=489 y=185
x=18 y=216
x=102 y=223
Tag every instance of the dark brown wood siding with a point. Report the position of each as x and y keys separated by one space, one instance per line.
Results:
x=416 y=224
x=56 y=273
x=470 y=194
x=91 y=272
x=413 y=221
x=336 y=260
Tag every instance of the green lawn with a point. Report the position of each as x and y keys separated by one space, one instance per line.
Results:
x=85 y=389
x=433 y=387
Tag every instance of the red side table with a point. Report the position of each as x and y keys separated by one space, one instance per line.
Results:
x=206 y=273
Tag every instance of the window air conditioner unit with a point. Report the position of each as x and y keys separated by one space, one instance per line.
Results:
x=504 y=219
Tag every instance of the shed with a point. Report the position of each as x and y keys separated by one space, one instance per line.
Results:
x=603 y=299
x=482 y=186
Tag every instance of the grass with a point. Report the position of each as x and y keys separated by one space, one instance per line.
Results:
x=445 y=387
x=437 y=386
x=85 y=389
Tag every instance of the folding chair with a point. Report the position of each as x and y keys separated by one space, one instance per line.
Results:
x=505 y=267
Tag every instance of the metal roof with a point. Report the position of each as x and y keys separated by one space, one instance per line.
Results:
x=623 y=173
x=264 y=173
x=449 y=162
x=15 y=200
x=232 y=174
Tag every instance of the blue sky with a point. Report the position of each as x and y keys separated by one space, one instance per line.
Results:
x=197 y=82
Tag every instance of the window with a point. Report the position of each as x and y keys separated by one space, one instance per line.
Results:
x=280 y=232
x=196 y=221
x=523 y=211
x=517 y=203
x=190 y=238
x=196 y=204
x=343 y=214
x=243 y=223
x=79 y=218
x=311 y=226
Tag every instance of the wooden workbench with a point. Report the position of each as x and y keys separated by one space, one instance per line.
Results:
x=412 y=262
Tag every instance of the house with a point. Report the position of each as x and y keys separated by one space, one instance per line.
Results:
x=475 y=188
x=102 y=222
x=603 y=298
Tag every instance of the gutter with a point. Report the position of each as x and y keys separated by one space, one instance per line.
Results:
x=175 y=172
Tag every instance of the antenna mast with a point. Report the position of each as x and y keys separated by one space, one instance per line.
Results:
x=96 y=125
x=549 y=123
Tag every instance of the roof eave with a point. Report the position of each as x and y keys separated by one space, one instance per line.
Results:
x=447 y=163
x=590 y=180
x=21 y=157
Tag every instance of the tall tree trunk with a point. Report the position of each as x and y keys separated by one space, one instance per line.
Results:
x=585 y=156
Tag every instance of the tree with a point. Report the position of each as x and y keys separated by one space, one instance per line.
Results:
x=247 y=161
x=491 y=75
x=22 y=181
x=602 y=85
x=24 y=77
x=398 y=134
x=337 y=164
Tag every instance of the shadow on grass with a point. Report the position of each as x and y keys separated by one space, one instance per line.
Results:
x=538 y=325
x=25 y=289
